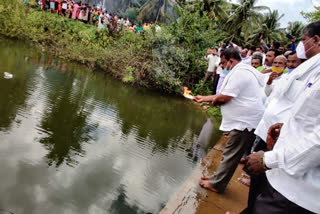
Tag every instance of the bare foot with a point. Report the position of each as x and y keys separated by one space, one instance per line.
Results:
x=205 y=184
x=205 y=178
x=245 y=179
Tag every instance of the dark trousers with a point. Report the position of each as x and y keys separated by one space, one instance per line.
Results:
x=238 y=142
x=215 y=83
x=271 y=201
x=257 y=182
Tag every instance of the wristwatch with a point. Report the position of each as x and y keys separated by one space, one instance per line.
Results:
x=263 y=163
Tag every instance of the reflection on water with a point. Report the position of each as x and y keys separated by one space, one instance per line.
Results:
x=199 y=148
x=73 y=141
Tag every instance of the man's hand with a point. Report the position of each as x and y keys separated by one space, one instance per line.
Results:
x=264 y=71
x=261 y=38
x=273 y=134
x=273 y=76
x=253 y=163
x=202 y=99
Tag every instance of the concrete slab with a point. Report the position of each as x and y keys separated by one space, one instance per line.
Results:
x=192 y=199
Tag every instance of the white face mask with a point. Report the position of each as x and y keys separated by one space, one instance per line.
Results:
x=301 y=52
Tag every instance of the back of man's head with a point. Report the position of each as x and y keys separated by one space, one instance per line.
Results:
x=276 y=45
x=232 y=53
x=253 y=48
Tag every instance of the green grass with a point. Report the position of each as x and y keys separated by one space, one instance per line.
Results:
x=215 y=113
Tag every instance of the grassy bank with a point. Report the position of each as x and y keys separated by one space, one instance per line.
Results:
x=215 y=113
x=164 y=60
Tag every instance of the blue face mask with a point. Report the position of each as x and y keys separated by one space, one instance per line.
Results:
x=290 y=70
x=226 y=71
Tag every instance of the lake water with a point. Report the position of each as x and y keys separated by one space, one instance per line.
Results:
x=77 y=142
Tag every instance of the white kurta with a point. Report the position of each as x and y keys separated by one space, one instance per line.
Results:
x=281 y=100
x=295 y=159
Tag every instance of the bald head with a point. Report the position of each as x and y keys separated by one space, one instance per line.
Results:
x=280 y=61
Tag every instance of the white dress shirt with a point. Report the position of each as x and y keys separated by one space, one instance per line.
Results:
x=245 y=85
x=246 y=60
x=281 y=100
x=278 y=81
x=212 y=62
x=295 y=159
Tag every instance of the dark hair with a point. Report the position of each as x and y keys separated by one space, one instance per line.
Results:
x=276 y=45
x=257 y=57
x=292 y=53
x=276 y=52
x=232 y=53
x=312 y=29
x=253 y=48
x=222 y=52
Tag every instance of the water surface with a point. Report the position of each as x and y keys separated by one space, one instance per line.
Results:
x=76 y=141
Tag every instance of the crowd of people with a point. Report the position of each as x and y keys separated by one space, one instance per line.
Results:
x=270 y=105
x=92 y=15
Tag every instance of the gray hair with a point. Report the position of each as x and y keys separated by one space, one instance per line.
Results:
x=312 y=29
x=283 y=57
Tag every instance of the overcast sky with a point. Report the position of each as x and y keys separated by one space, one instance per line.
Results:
x=290 y=8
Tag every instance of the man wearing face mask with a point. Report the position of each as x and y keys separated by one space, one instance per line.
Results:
x=242 y=107
x=293 y=62
x=223 y=72
x=293 y=161
x=278 y=67
x=271 y=54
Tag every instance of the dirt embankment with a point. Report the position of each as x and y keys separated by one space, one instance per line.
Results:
x=191 y=198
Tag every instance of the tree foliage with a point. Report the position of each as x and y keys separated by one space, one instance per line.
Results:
x=243 y=18
x=312 y=16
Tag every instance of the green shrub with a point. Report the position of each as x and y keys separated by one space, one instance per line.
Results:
x=164 y=60
x=215 y=112
x=128 y=78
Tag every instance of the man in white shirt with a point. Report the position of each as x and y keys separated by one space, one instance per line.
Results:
x=274 y=79
x=279 y=63
x=245 y=58
x=271 y=54
x=213 y=60
x=256 y=60
x=293 y=164
x=242 y=108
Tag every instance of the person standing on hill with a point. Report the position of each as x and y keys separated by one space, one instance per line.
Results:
x=75 y=10
x=213 y=61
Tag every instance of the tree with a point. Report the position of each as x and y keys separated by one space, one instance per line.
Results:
x=245 y=17
x=270 y=29
x=216 y=9
x=157 y=10
x=312 y=16
x=295 y=29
